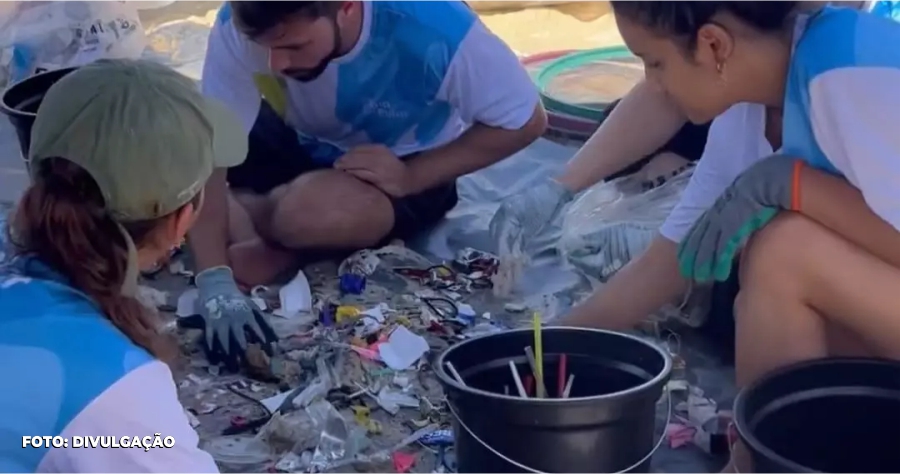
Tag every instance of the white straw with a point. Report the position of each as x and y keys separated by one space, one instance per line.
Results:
x=455 y=374
x=568 y=386
x=540 y=387
x=515 y=374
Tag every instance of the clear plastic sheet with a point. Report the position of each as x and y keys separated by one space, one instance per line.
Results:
x=615 y=221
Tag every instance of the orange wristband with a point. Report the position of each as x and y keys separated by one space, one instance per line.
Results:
x=795 y=185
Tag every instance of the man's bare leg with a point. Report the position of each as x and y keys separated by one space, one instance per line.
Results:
x=322 y=210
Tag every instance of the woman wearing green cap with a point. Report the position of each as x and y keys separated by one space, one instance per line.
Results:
x=120 y=152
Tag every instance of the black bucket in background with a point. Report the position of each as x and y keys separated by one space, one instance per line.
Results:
x=607 y=425
x=829 y=415
x=21 y=100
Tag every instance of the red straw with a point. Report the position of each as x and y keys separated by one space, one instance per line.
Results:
x=529 y=384
x=561 y=376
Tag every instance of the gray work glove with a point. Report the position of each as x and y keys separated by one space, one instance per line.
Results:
x=228 y=318
x=746 y=206
x=522 y=216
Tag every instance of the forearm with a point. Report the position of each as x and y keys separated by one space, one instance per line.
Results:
x=640 y=124
x=208 y=239
x=479 y=147
x=837 y=205
x=640 y=288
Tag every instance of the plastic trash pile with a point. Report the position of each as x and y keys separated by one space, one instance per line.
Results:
x=351 y=384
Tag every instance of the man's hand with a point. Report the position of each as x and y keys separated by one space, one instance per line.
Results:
x=229 y=317
x=755 y=197
x=378 y=166
x=522 y=216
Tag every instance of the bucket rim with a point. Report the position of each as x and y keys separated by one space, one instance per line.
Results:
x=8 y=109
x=658 y=379
x=741 y=422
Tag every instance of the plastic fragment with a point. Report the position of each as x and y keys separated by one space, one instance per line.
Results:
x=403 y=462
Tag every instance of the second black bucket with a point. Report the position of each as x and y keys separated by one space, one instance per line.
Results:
x=21 y=100
x=608 y=424
x=830 y=415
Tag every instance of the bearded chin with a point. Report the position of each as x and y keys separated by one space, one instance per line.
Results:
x=307 y=75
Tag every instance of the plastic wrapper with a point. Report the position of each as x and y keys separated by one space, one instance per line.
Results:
x=37 y=36
x=613 y=222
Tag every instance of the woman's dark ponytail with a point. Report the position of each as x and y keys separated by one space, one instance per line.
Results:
x=61 y=221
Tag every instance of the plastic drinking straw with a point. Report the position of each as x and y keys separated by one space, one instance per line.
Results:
x=561 y=376
x=538 y=356
x=528 y=383
x=568 y=389
x=455 y=374
x=517 y=380
x=529 y=355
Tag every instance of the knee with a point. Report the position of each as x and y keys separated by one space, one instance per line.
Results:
x=774 y=255
x=319 y=209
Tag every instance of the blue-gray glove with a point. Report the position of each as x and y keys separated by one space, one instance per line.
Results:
x=522 y=216
x=229 y=317
x=756 y=196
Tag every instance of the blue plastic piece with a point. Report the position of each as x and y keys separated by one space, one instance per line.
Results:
x=438 y=438
x=326 y=317
x=352 y=284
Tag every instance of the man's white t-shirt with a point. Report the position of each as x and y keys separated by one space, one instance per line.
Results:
x=736 y=140
x=420 y=74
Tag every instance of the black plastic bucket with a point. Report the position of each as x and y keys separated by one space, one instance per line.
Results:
x=829 y=415
x=606 y=425
x=21 y=100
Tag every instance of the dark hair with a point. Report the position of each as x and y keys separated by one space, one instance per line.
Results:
x=255 y=18
x=61 y=221
x=684 y=19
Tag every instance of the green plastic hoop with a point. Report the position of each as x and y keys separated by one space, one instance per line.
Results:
x=573 y=61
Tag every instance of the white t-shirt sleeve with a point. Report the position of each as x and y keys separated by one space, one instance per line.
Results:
x=855 y=114
x=487 y=82
x=735 y=141
x=142 y=403
x=228 y=72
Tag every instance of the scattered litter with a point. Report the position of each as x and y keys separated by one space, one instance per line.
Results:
x=402 y=349
x=392 y=400
x=186 y=304
x=377 y=313
x=515 y=307
x=295 y=297
x=349 y=376
x=151 y=297
x=403 y=462
x=239 y=453
x=466 y=310
x=438 y=438
x=679 y=435
x=176 y=267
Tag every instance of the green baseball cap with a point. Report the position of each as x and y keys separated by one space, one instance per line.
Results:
x=143 y=131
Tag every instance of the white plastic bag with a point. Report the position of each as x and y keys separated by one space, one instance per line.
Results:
x=36 y=36
x=613 y=222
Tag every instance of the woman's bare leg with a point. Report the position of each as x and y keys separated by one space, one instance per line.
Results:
x=807 y=293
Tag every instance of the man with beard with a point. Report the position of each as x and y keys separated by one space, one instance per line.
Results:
x=361 y=116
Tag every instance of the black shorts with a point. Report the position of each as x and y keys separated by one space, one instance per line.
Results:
x=688 y=143
x=720 y=327
x=276 y=157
